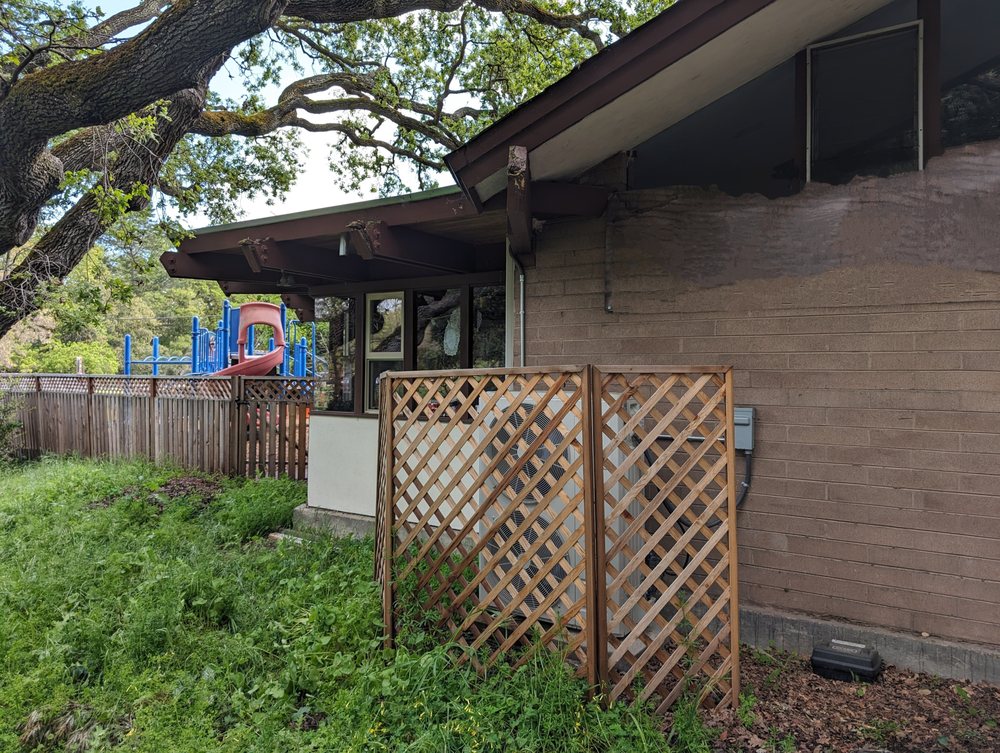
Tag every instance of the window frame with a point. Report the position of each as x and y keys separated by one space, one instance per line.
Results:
x=363 y=293
x=865 y=35
x=374 y=356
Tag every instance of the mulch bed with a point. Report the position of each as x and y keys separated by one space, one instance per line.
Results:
x=903 y=712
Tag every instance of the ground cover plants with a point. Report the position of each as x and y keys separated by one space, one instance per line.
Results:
x=144 y=610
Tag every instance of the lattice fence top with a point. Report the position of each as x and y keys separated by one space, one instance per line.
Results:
x=17 y=383
x=202 y=388
x=587 y=510
x=264 y=389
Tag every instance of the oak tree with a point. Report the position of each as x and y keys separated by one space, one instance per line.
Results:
x=105 y=118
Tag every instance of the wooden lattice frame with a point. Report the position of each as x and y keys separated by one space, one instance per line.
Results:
x=585 y=510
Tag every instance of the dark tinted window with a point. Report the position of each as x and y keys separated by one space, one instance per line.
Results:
x=970 y=71
x=336 y=320
x=865 y=96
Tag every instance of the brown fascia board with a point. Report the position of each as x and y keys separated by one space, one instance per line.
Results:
x=331 y=223
x=657 y=44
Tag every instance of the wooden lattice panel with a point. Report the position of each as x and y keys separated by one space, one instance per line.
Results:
x=263 y=389
x=194 y=388
x=64 y=384
x=583 y=511
x=486 y=502
x=17 y=384
x=667 y=490
x=121 y=386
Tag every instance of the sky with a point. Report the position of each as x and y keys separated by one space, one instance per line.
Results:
x=315 y=186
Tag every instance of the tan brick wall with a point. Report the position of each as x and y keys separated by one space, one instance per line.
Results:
x=864 y=324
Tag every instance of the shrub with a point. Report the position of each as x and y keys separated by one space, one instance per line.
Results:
x=9 y=427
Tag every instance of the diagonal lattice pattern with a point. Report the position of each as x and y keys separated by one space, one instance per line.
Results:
x=582 y=510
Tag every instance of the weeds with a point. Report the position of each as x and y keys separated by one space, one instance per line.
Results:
x=143 y=611
x=745 y=710
x=879 y=731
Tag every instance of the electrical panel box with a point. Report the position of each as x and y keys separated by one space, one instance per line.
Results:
x=743 y=424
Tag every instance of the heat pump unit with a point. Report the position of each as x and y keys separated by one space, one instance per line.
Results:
x=507 y=423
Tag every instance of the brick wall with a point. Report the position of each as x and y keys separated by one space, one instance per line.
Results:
x=864 y=324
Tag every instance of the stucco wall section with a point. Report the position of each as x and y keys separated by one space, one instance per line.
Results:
x=864 y=324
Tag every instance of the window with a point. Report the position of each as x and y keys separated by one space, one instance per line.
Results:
x=970 y=71
x=438 y=328
x=865 y=106
x=489 y=326
x=336 y=344
x=383 y=341
x=454 y=324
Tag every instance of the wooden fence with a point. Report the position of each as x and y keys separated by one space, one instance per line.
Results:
x=245 y=426
x=587 y=510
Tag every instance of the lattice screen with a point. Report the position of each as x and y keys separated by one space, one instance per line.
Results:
x=582 y=510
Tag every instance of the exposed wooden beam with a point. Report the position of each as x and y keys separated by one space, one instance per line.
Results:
x=346 y=289
x=930 y=12
x=556 y=199
x=232 y=267
x=304 y=305
x=403 y=245
x=306 y=260
x=520 y=233
x=232 y=287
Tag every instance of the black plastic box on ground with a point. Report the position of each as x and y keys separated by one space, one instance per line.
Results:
x=842 y=660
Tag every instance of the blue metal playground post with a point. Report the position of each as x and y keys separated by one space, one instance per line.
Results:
x=156 y=355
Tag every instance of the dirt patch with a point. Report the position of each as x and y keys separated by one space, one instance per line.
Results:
x=786 y=708
x=197 y=489
x=308 y=722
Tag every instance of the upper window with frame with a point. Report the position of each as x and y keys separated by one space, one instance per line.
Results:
x=865 y=106
x=383 y=341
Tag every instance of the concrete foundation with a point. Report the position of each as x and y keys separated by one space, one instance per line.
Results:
x=306 y=518
x=763 y=628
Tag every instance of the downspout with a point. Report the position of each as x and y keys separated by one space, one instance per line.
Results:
x=520 y=309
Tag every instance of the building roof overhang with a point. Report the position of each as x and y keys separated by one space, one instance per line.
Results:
x=692 y=54
x=436 y=232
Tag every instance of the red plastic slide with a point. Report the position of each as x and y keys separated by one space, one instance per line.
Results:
x=262 y=365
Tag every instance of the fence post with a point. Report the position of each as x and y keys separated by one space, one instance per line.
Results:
x=386 y=447
x=90 y=417
x=734 y=601
x=152 y=418
x=41 y=415
x=593 y=524
x=237 y=453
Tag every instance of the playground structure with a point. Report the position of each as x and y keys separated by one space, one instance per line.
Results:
x=231 y=347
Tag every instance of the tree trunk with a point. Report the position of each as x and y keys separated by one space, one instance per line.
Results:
x=64 y=246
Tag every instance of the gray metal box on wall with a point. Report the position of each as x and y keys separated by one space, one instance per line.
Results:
x=743 y=424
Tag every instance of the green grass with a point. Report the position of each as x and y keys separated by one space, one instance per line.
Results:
x=130 y=620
